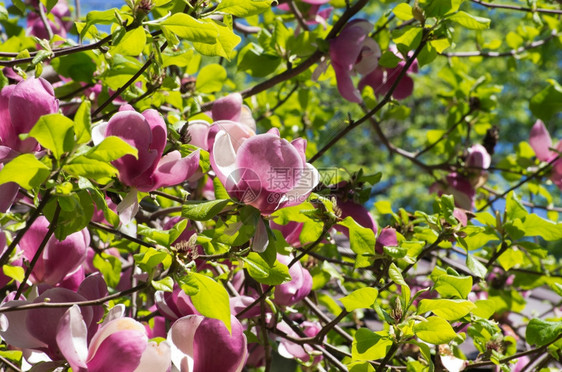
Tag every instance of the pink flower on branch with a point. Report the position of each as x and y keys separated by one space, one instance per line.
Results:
x=541 y=142
x=353 y=51
x=263 y=170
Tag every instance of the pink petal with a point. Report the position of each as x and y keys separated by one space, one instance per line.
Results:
x=478 y=157
x=8 y=194
x=182 y=333
x=199 y=131
x=158 y=129
x=540 y=141
x=404 y=88
x=156 y=357
x=359 y=213
x=227 y=108
x=126 y=335
x=300 y=285
x=62 y=257
x=387 y=238
x=215 y=349
x=31 y=99
x=173 y=169
x=119 y=351
x=72 y=338
x=16 y=333
x=345 y=84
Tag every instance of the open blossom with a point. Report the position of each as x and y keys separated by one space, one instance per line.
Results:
x=353 y=51
x=382 y=79
x=120 y=344
x=201 y=344
x=541 y=143
x=148 y=134
x=291 y=350
x=59 y=258
x=36 y=329
x=264 y=170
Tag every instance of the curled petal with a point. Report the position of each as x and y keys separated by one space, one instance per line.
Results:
x=173 y=169
x=119 y=351
x=199 y=131
x=540 y=141
x=72 y=338
x=31 y=99
x=300 y=285
x=227 y=108
x=345 y=84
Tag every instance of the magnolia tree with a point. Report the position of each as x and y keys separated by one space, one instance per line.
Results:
x=243 y=185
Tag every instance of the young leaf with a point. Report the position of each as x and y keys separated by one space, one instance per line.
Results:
x=203 y=210
x=212 y=299
x=446 y=309
x=469 y=21
x=541 y=332
x=243 y=8
x=435 y=331
x=361 y=298
x=25 y=170
x=54 y=132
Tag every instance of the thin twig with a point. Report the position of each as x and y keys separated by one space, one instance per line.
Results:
x=518 y=8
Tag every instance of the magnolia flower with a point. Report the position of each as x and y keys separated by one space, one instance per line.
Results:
x=232 y=107
x=291 y=350
x=541 y=143
x=386 y=238
x=353 y=51
x=21 y=106
x=36 y=329
x=62 y=21
x=459 y=186
x=291 y=231
x=263 y=170
x=300 y=285
x=150 y=170
x=59 y=258
x=201 y=344
x=174 y=305
x=359 y=213
x=382 y=79
x=148 y=134
x=120 y=344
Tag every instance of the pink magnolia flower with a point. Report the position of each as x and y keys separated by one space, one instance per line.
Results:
x=232 y=108
x=59 y=258
x=291 y=231
x=36 y=329
x=174 y=305
x=459 y=186
x=300 y=285
x=201 y=344
x=21 y=106
x=62 y=22
x=120 y=344
x=148 y=134
x=358 y=212
x=541 y=143
x=291 y=350
x=382 y=79
x=353 y=51
x=263 y=170
x=386 y=238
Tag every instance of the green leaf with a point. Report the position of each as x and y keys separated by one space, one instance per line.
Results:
x=15 y=272
x=396 y=275
x=54 y=132
x=546 y=103
x=25 y=170
x=475 y=266
x=446 y=309
x=409 y=39
x=166 y=284
x=110 y=267
x=484 y=308
x=210 y=79
x=389 y=60
x=361 y=240
x=541 y=332
x=243 y=8
x=203 y=210
x=369 y=345
x=187 y=27
x=224 y=43
x=453 y=286
x=403 y=12
x=361 y=298
x=439 y=8
x=111 y=148
x=212 y=299
x=435 y=331
x=534 y=225
x=131 y=44
x=264 y=273
x=79 y=67
x=100 y=171
x=469 y=21
x=83 y=123
x=77 y=209
x=150 y=258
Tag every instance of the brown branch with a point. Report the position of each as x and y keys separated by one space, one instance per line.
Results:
x=98 y=301
x=376 y=109
x=518 y=8
x=511 y=53
x=39 y=251
x=298 y=15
